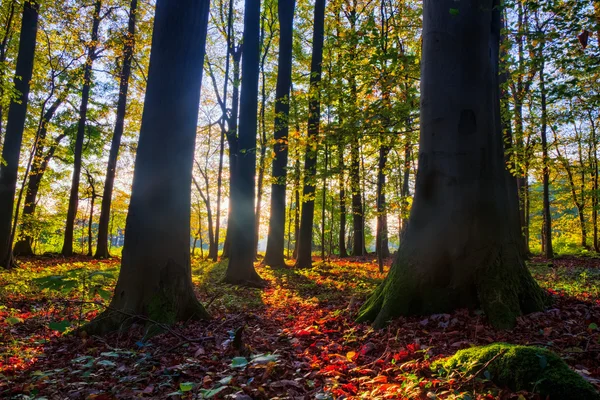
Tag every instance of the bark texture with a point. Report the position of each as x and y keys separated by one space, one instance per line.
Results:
x=240 y=269
x=460 y=248
x=275 y=240
x=155 y=279
x=304 y=257
x=17 y=112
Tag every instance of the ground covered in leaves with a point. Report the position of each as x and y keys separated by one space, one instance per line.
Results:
x=295 y=339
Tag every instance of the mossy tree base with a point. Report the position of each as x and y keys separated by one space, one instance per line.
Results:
x=163 y=295
x=527 y=368
x=498 y=282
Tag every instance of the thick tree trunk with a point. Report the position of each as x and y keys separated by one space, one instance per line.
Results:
x=405 y=191
x=17 y=113
x=102 y=248
x=304 y=258
x=240 y=269
x=155 y=278
x=67 y=249
x=381 y=239
x=275 y=240
x=459 y=249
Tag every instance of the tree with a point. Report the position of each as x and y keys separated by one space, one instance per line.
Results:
x=14 y=129
x=128 y=46
x=92 y=46
x=460 y=248
x=304 y=257
x=275 y=240
x=155 y=278
x=240 y=269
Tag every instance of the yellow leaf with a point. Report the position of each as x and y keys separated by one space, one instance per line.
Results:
x=350 y=355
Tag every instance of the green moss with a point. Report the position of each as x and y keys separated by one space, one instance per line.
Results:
x=162 y=309
x=527 y=368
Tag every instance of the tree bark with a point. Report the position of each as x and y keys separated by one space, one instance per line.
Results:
x=3 y=45
x=102 y=247
x=381 y=239
x=17 y=113
x=67 y=249
x=342 y=196
x=275 y=240
x=304 y=258
x=41 y=158
x=547 y=237
x=240 y=269
x=460 y=248
x=155 y=278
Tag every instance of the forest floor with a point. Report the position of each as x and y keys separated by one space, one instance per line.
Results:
x=298 y=336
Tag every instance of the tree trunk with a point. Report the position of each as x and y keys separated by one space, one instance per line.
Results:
x=381 y=239
x=17 y=113
x=275 y=239
x=102 y=247
x=547 y=237
x=23 y=247
x=342 y=197
x=594 y=161
x=155 y=279
x=405 y=191
x=459 y=249
x=240 y=269
x=232 y=141
x=304 y=258
x=3 y=46
x=67 y=249
x=358 y=245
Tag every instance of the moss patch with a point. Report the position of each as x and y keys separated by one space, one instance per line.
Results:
x=527 y=368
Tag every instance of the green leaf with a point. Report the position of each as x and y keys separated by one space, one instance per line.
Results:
x=593 y=326
x=239 y=362
x=13 y=320
x=226 y=380
x=110 y=354
x=104 y=294
x=207 y=394
x=186 y=386
x=106 y=363
x=264 y=359
x=59 y=326
x=454 y=11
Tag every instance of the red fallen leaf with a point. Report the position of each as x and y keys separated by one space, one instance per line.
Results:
x=413 y=347
x=350 y=388
x=307 y=331
x=379 y=379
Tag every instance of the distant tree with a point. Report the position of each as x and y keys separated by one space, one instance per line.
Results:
x=17 y=113
x=304 y=256
x=460 y=248
x=155 y=278
x=92 y=54
x=128 y=47
x=240 y=269
x=275 y=241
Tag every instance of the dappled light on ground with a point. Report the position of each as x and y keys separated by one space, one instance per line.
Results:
x=296 y=338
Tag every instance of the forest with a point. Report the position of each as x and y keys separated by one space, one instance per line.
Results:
x=299 y=199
